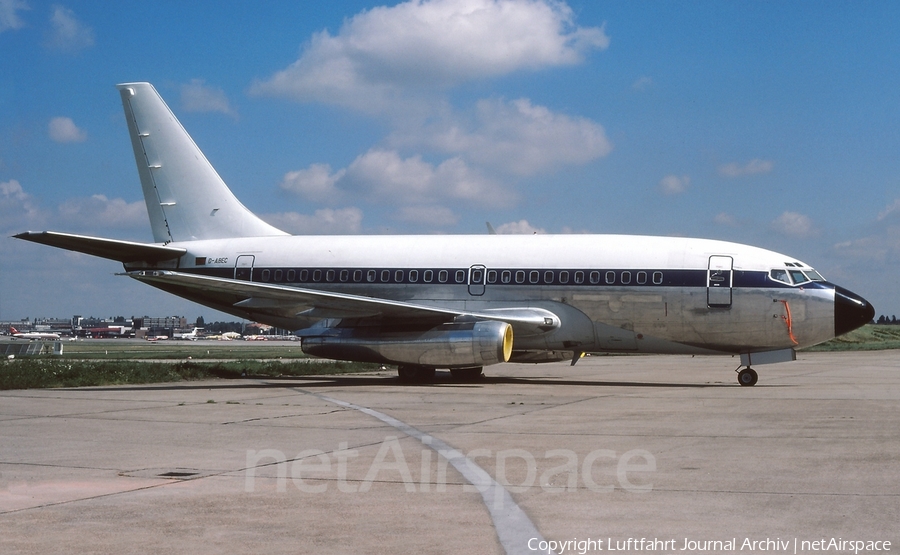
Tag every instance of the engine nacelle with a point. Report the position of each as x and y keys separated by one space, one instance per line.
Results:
x=458 y=345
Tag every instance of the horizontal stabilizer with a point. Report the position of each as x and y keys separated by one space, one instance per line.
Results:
x=123 y=251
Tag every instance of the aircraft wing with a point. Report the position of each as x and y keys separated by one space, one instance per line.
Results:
x=123 y=251
x=313 y=303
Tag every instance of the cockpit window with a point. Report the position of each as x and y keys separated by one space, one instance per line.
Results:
x=798 y=276
x=814 y=275
x=780 y=275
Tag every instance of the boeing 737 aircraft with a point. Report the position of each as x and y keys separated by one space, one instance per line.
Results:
x=459 y=302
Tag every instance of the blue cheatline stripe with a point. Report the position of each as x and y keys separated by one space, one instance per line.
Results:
x=513 y=526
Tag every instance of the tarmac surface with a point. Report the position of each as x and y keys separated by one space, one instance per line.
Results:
x=582 y=459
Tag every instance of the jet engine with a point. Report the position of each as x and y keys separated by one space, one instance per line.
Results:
x=453 y=345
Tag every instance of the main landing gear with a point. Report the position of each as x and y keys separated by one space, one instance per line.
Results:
x=747 y=376
x=423 y=374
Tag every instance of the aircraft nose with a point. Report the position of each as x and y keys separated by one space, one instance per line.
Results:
x=850 y=311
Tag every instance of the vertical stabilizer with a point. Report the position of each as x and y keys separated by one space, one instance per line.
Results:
x=186 y=199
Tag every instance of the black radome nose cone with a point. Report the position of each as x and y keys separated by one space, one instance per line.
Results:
x=850 y=311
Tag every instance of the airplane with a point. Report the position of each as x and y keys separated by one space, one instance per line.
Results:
x=459 y=302
x=190 y=336
x=32 y=334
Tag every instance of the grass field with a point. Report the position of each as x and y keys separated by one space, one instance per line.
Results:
x=866 y=338
x=116 y=361
x=119 y=349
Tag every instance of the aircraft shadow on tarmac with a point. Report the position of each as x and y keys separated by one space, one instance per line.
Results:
x=442 y=380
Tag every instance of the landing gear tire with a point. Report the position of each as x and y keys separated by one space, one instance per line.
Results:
x=411 y=373
x=466 y=374
x=748 y=377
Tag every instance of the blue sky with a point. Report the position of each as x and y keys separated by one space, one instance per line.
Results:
x=768 y=123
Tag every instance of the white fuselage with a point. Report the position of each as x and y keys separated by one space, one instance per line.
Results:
x=612 y=292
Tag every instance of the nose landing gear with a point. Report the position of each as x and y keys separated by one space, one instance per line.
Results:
x=747 y=376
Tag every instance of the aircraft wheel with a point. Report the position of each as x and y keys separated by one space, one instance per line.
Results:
x=412 y=373
x=466 y=374
x=748 y=377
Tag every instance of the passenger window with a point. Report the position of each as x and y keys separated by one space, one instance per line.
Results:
x=428 y=276
x=492 y=276
x=506 y=276
x=398 y=276
x=265 y=275
x=345 y=275
x=370 y=276
x=595 y=277
x=304 y=275
x=564 y=277
x=610 y=277
x=291 y=275
x=642 y=277
x=520 y=276
x=357 y=275
x=799 y=277
x=385 y=276
x=548 y=276
x=413 y=276
x=443 y=275
x=329 y=275
x=460 y=276
x=626 y=277
x=779 y=275
x=317 y=275
x=579 y=277
x=534 y=276
x=657 y=278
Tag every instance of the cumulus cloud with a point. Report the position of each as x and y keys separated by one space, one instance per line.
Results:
x=674 y=185
x=67 y=34
x=64 y=130
x=793 y=224
x=9 y=19
x=431 y=44
x=324 y=221
x=17 y=208
x=642 y=84
x=753 y=167
x=518 y=137
x=386 y=177
x=196 y=96
x=316 y=183
x=726 y=219
x=98 y=209
x=522 y=227
x=433 y=216
x=889 y=210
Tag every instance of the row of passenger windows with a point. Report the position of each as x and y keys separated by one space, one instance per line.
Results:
x=478 y=276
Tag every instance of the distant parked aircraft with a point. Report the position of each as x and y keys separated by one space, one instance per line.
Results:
x=460 y=302
x=32 y=334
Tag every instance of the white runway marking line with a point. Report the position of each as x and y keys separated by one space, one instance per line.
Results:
x=514 y=528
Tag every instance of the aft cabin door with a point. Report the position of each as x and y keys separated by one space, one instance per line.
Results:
x=718 y=282
x=243 y=267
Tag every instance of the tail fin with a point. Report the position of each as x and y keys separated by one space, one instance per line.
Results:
x=186 y=199
x=13 y=331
